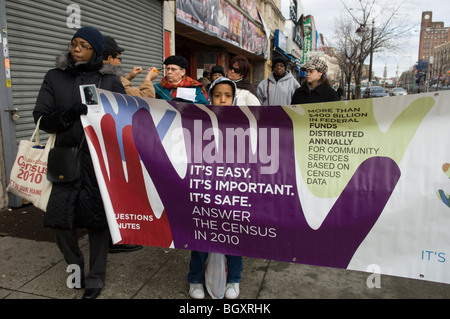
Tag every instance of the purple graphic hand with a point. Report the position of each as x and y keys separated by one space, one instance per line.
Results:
x=275 y=227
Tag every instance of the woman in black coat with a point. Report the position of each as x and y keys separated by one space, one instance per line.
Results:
x=77 y=204
x=317 y=87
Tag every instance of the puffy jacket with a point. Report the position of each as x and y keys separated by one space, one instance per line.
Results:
x=321 y=93
x=77 y=204
x=245 y=98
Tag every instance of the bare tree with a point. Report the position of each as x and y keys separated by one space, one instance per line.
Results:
x=380 y=27
x=347 y=50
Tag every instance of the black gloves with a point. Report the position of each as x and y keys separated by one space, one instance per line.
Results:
x=74 y=112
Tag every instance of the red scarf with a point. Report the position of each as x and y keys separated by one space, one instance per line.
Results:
x=185 y=82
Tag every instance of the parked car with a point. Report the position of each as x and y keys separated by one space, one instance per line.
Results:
x=399 y=91
x=375 y=91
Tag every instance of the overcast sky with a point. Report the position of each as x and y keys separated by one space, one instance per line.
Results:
x=325 y=13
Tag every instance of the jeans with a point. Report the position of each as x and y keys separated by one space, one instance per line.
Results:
x=196 y=273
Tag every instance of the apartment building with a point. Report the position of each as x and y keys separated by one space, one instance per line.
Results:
x=432 y=34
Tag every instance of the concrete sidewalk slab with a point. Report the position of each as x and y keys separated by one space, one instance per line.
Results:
x=297 y=281
x=32 y=269
x=23 y=260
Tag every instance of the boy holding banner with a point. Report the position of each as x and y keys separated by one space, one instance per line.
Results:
x=221 y=92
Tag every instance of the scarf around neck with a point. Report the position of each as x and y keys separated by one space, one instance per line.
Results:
x=245 y=84
x=186 y=82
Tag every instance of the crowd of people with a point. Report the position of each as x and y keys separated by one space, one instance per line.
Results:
x=93 y=58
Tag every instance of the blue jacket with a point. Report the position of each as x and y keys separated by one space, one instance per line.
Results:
x=162 y=93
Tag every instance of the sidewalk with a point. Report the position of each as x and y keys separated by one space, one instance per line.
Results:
x=34 y=269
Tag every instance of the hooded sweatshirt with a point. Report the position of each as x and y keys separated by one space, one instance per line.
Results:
x=280 y=92
x=223 y=80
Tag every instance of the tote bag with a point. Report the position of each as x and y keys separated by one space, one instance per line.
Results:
x=29 y=173
x=216 y=275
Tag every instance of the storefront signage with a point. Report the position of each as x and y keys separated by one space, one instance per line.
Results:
x=222 y=20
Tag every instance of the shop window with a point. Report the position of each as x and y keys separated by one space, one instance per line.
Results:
x=205 y=61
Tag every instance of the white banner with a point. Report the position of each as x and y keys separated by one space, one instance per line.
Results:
x=359 y=185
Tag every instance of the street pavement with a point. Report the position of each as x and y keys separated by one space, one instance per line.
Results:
x=35 y=269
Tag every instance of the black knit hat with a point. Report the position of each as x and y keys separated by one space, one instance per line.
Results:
x=278 y=60
x=93 y=36
x=111 y=47
x=217 y=69
x=177 y=60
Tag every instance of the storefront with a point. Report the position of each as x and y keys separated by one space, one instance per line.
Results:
x=210 y=33
x=34 y=33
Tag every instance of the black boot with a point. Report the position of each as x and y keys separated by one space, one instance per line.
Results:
x=123 y=248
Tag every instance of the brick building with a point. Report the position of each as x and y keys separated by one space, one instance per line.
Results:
x=441 y=64
x=432 y=34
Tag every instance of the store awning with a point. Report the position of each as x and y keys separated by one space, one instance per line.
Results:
x=296 y=62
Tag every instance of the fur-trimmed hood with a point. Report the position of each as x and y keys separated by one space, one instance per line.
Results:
x=65 y=62
x=111 y=69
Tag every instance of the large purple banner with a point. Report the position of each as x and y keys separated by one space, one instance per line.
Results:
x=233 y=179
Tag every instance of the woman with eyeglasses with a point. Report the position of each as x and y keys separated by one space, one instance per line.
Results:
x=238 y=69
x=77 y=204
x=177 y=86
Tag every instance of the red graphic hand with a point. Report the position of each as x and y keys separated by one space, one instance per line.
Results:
x=128 y=196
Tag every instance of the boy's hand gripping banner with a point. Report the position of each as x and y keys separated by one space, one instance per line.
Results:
x=344 y=184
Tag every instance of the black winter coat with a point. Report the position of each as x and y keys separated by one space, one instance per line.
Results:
x=77 y=204
x=321 y=93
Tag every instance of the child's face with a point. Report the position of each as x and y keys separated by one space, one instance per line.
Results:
x=222 y=94
x=215 y=76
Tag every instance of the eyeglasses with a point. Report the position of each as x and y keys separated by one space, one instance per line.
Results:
x=82 y=47
x=172 y=69
x=235 y=70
